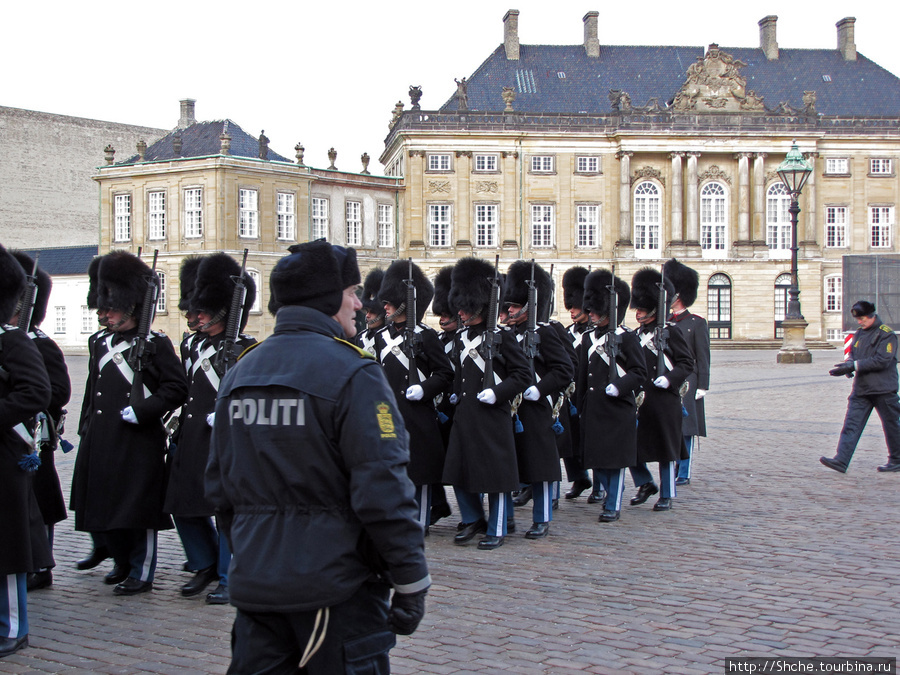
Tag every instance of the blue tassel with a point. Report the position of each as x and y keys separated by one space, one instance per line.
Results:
x=30 y=463
x=518 y=425
x=558 y=428
x=442 y=417
x=684 y=412
x=65 y=446
x=573 y=411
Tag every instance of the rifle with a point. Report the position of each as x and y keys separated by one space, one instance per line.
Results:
x=613 y=339
x=412 y=341
x=488 y=345
x=226 y=353
x=661 y=330
x=141 y=345
x=26 y=310
x=532 y=340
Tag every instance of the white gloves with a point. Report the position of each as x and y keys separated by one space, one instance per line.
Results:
x=415 y=393
x=531 y=394
x=662 y=382
x=129 y=416
x=612 y=390
x=700 y=394
x=454 y=399
x=487 y=396
x=211 y=419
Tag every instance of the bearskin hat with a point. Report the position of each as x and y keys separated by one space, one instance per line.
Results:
x=685 y=280
x=370 y=289
x=470 y=285
x=441 y=303
x=645 y=290
x=596 y=294
x=516 y=288
x=44 y=285
x=93 y=283
x=187 y=280
x=310 y=276
x=214 y=287
x=12 y=284
x=862 y=308
x=122 y=282
x=393 y=287
x=573 y=287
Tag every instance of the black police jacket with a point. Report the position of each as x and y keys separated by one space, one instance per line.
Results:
x=874 y=351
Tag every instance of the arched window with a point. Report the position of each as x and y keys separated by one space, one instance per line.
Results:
x=713 y=220
x=718 y=306
x=647 y=221
x=782 y=286
x=778 y=221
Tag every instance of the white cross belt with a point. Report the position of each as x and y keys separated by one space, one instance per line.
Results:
x=393 y=345
x=647 y=342
x=470 y=351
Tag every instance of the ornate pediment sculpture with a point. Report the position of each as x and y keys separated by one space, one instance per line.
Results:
x=648 y=172
x=714 y=173
x=715 y=84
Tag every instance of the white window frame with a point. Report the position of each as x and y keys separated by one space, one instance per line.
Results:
x=487 y=225
x=319 y=219
x=193 y=212
x=440 y=222
x=59 y=319
x=286 y=216
x=161 y=298
x=353 y=222
x=587 y=226
x=837 y=166
x=881 y=226
x=778 y=221
x=834 y=292
x=248 y=217
x=881 y=166
x=489 y=163
x=647 y=220
x=836 y=226
x=257 y=279
x=543 y=225
x=385 y=226
x=88 y=320
x=542 y=164
x=440 y=162
x=122 y=217
x=714 y=220
x=156 y=214
x=587 y=164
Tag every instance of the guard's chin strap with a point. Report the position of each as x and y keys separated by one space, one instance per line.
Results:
x=446 y=322
x=473 y=317
x=580 y=315
x=398 y=312
x=118 y=324
x=375 y=319
x=220 y=315
x=512 y=316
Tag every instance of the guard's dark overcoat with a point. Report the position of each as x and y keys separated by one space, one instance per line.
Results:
x=119 y=476
x=659 y=436
x=444 y=407
x=481 y=454
x=695 y=331
x=426 y=449
x=565 y=443
x=24 y=392
x=608 y=423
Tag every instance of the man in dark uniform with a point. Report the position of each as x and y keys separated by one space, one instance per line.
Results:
x=873 y=365
x=374 y=309
x=47 y=489
x=607 y=402
x=695 y=332
x=481 y=455
x=24 y=393
x=307 y=472
x=415 y=381
x=448 y=320
x=206 y=549
x=552 y=371
x=118 y=483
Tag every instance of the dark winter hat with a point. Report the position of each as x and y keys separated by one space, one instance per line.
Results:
x=573 y=287
x=346 y=258
x=862 y=308
x=645 y=290
x=441 y=303
x=215 y=287
x=516 y=288
x=393 y=287
x=685 y=280
x=93 y=283
x=44 y=285
x=596 y=294
x=12 y=283
x=470 y=285
x=122 y=282
x=309 y=275
x=187 y=279
x=370 y=289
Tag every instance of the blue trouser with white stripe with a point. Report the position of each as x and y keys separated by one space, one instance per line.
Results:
x=543 y=495
x=14 y=606
x=471 y=509
x=641 y=475
x=613 y=481
x=684 y=465
x=423 y=501
x=134 y=549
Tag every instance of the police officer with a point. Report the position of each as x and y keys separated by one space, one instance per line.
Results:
x=873 y=366
x=24 y=392
x=373 y=308
x=695 y=332
x=307 y=472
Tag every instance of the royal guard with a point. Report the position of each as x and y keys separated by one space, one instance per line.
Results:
x=187 y=281
x=373 y=308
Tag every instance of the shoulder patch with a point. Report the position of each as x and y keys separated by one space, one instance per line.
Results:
x=248 y=349
x=363 y=354
x=886 y=329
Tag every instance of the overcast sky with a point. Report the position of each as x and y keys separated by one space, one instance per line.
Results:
x=329 y=73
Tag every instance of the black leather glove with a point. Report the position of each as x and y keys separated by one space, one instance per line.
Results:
x=845 y=368
x=407 y=610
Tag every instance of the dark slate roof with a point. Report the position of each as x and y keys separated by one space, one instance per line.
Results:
x=857 y=88
x=201 y=139
x=64 y=260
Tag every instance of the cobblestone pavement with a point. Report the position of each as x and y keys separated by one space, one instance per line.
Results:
x=766 y=553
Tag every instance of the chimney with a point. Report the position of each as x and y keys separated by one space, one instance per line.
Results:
x=591 y=42
x=187 y=113
x=846 y=39
x=511 y=34
x=767 y=42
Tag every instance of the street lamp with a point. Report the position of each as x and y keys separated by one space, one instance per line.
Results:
x=794 y=171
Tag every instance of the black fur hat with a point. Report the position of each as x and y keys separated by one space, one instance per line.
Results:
x=310 y=276
x=685 y=280
x=645 y=290
x=122 y=282
x=393 y=288
x=441 y=303
x=862 y=308
x=370 y=289
x=12 y=283
x=93 y=283
x=516 y=288
x=44 y=285
x=187 y=280
x=596 y=294
x=214 y=287
x=470 y=285
x=573 y=287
